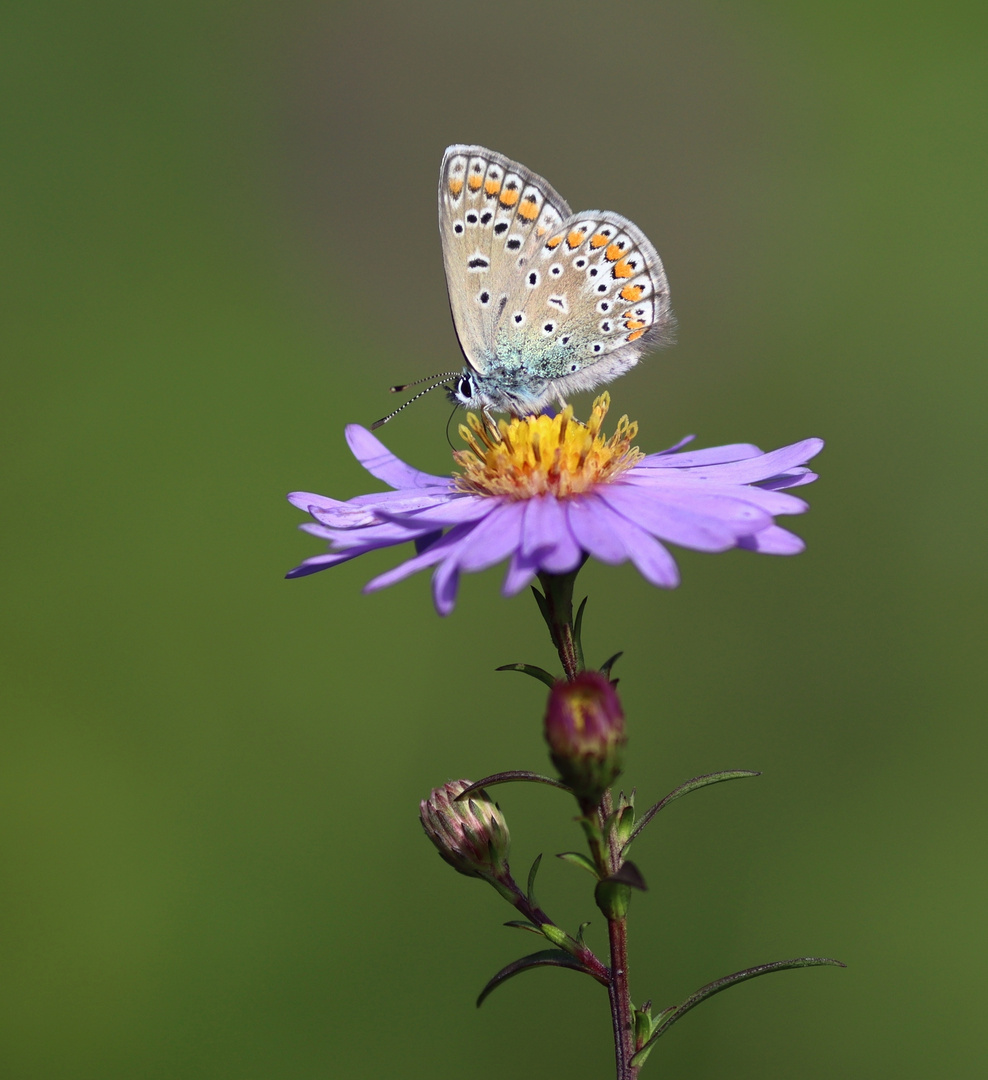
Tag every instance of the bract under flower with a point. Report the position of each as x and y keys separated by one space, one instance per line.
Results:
x=554 y=490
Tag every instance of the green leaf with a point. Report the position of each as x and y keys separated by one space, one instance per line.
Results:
x=530 y=669
x=684 y=789
x=531 y=880
x=546 y=958
x=507 y=777
x=679 y=1011
x=543 y=608
x=577 y=858
x=524 y=924
x=578 y=632
x=606 y=666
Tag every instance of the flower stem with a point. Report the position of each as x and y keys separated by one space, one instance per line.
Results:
x=620 y=997
x=558 y=612
x=618 y=989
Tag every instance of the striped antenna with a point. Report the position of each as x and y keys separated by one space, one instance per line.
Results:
x=398 y=389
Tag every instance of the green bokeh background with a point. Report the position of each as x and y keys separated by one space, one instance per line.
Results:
x=220 y=247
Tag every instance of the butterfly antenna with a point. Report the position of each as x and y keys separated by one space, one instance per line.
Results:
x=404 y=405
x=405 y=386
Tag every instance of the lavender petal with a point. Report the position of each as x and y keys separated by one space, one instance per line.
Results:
x=521 y=571
x=438 y=551
x=547 y=534
x=652 y=560
x=672 y=523
x=493 y=539
x=445 y=585
x=321 y=562
x=773 y=541
x=711 y=455
x=378 y=460
x=593 y=529
x=765 y=467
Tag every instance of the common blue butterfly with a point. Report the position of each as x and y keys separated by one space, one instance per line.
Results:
x=545 y=302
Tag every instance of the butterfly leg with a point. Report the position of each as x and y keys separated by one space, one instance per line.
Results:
x=491 y=424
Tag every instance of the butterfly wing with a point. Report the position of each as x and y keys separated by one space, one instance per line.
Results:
x=494 y=217
x=595 y=299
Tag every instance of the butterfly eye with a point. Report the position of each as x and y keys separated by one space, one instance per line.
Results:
x=464 y=387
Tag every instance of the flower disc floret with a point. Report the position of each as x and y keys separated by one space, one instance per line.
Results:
x=545 y=455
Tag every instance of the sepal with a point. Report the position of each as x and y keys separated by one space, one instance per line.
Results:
x=613 y=898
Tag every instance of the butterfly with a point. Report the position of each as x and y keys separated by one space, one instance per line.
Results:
x=545 y=302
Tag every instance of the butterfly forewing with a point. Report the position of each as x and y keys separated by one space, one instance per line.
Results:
x=494 y=215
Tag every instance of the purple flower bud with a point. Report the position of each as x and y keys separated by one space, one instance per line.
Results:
x=471 y=834
x=584 y=727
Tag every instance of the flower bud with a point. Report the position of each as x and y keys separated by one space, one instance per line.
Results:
x=584 y=727
x=471 y=834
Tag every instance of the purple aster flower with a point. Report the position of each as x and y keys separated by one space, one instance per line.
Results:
x=552 y=491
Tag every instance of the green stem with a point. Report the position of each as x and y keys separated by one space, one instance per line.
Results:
x=618 y=989
x=558 y=612
x=618 y=992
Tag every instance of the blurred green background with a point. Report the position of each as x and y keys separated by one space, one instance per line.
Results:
x=220 y=247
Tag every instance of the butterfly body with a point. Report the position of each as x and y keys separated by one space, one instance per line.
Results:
x=545 y=302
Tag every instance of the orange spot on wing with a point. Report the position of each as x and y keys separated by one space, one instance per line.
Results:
x=509 y=198
x=455 y=185
x=554 y=242
x=575 y=238
x=541 y=230
x=475 y=181
x=492 y=187
x=613 y=253
x=634 y=324
x=632 y=292
x=528 y=210
x=598 y=240
x=623 y=269
x=635 y=334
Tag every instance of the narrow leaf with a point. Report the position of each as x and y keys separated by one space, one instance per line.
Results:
x=684 y=789
x=578 y=631
x=722 y=984
x=524 y=924
x=606 y=666
x=506 y=777
x=546 y=958
x=577 y=858
x=531 y=880
x=530 y=669
x=543 y=608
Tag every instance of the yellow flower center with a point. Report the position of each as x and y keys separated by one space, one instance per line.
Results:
x=544 y=455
